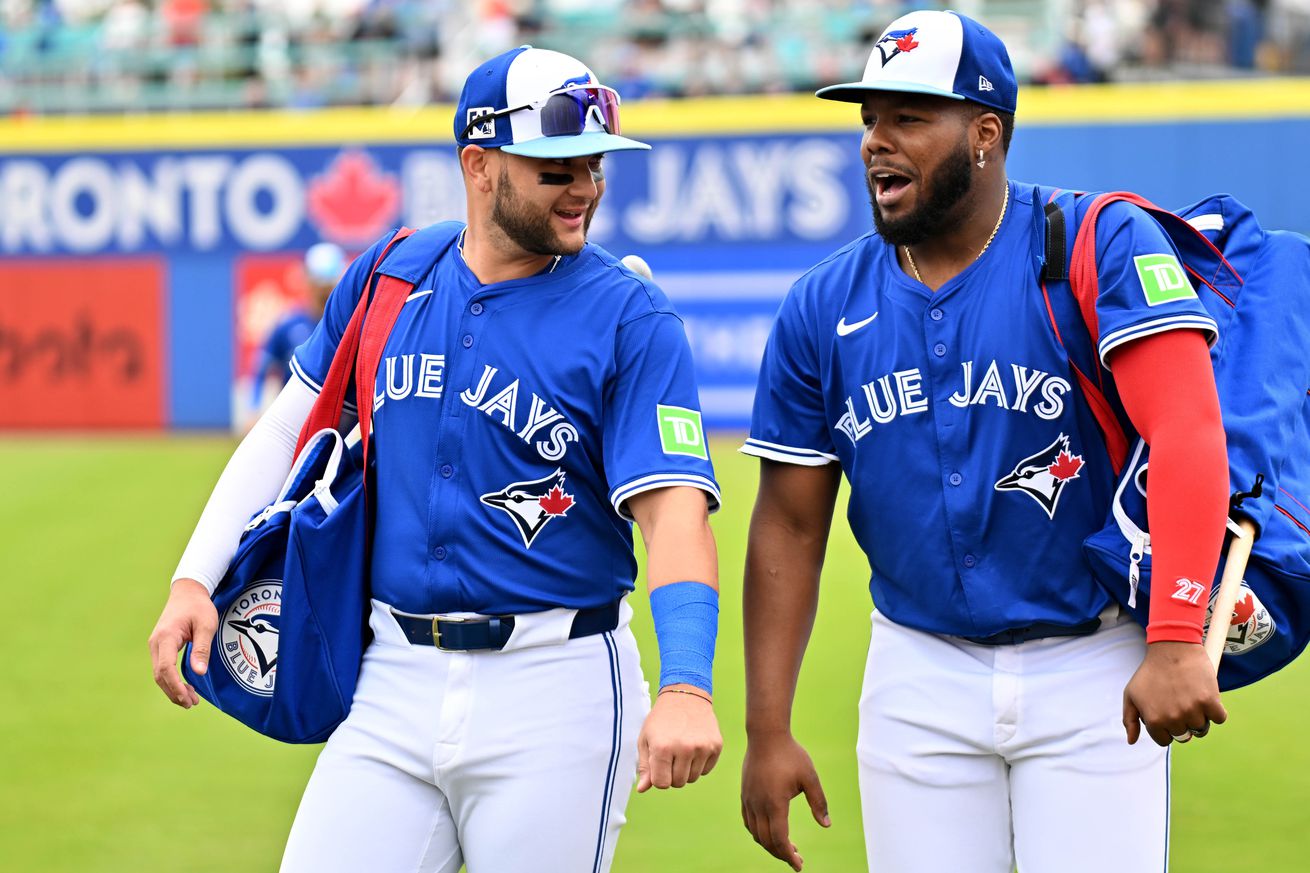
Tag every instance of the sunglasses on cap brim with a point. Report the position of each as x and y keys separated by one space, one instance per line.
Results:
x=565 y=112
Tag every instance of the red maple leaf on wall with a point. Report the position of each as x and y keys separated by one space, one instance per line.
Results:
x=556 y=502
x=1066 y=466
x=353 y=202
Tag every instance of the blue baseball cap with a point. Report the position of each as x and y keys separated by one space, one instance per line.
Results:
x=941 y=53
x=540 y=104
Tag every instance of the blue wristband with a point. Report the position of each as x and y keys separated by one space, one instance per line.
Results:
x=686 y=616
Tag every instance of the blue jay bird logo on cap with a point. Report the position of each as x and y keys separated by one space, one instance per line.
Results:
x=897 y=41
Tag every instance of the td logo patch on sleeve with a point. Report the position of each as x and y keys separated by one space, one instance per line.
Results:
x=1162 y=278
x=680 y=431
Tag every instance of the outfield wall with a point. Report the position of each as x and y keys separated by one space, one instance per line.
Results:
x=142 y=258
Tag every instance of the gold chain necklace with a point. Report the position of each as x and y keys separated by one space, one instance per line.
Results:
x=1004 y=205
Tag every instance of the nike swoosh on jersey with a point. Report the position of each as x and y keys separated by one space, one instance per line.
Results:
x=844 y=329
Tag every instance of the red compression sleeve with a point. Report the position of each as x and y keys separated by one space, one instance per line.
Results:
x=1167 y=387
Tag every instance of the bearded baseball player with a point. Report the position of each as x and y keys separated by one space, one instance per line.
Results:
x=919 y=360
x=536 y=398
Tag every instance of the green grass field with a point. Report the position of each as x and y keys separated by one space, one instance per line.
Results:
x=98 y=772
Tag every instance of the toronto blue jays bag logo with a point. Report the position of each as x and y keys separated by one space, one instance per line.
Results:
x=531 y=505
x=895 y=42
x=1251 y=623
x=248 y=635
x=1043 y=476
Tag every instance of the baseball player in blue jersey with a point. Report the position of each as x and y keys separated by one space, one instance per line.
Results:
x=535 y=398
x=324 y=263
x=1004 y=693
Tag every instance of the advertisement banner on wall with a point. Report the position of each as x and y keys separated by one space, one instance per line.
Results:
x=81 y=344
x=727 y=223
x=728 y=217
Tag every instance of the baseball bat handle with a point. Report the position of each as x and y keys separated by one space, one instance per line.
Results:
x=1239 y=552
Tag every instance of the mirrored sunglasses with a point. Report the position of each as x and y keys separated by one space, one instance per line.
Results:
x=565 y=112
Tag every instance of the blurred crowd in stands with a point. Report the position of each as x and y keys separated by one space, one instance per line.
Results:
x=62 y=56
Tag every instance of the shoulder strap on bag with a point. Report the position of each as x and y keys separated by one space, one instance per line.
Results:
x=396 y=280
x=1059 y=268
x=326 y=412
x=1203 y=262
x=407 y=258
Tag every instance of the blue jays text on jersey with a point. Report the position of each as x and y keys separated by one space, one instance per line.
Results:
x=512 y=422
x=976 y=468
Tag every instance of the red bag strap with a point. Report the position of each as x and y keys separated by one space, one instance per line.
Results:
x=1085 y=285
x=331 y=400
x=391 y=296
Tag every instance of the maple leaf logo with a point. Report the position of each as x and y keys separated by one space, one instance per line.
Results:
x=907 y=43
x=1044 y=475
x=532 y=505
x=1066 y=466
x=894 y=42
x=1244 y=608
x=353 y=201
x=556 y=502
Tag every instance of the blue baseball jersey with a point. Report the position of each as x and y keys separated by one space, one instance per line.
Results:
x=976 y=467
x=279 y=346
x=512 y=423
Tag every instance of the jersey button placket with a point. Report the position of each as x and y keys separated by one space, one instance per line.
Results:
x=450 y=422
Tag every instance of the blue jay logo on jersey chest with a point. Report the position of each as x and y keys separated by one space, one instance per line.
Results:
x=1044 y=476
x=532 y=505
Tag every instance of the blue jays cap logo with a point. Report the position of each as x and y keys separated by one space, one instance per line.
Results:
x=531 y=505
x=895 y=42
x=248 y=635
x=1043 y=476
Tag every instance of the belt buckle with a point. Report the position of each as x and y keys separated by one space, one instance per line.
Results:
x=436 y=631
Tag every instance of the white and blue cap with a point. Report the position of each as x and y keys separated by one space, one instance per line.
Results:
x=325 y=262
x=540 y=104
x=941 y=53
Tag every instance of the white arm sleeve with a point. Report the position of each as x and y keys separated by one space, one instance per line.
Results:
x=250 y=482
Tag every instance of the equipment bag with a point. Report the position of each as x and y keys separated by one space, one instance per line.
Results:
x=293 y=605
x=1255 y=284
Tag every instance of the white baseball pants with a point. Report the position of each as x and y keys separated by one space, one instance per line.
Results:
x=977 y=758
x=518 y=761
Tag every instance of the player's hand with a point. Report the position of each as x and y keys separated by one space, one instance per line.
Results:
x=188 y=616
x=777 y=769
x=680 y=741
x=1174 y=693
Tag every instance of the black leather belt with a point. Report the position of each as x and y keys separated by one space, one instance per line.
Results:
x=492 y=632
x=1039 y=631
